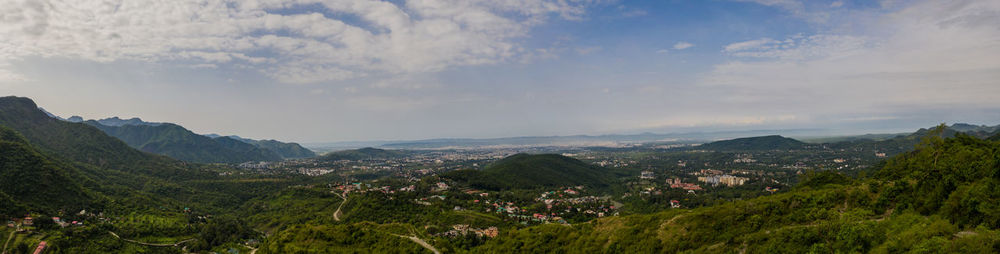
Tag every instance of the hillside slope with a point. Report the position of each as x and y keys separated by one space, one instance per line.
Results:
x=85 y=144
x=287 y=150
x=773 y=142
x=31 y=182
x=177 y=142
x=366 y=153
x=524 y=171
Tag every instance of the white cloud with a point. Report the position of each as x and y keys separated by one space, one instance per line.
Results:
x=682 y=45
x=930 y=53
x=799 y=47
x=663 y=51
x=588 y=50
x=746 y=45
x=409 y=37
x=796 y=8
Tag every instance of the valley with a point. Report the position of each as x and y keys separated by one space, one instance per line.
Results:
x=112 y=197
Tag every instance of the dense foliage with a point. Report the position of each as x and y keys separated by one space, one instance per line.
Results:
x=285 y=150
x=180 y=143
x=31 y=182
x=367 y=153
x=525 y=171
x=755 y=143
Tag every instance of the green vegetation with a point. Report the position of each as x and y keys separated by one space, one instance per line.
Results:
x=346 y=238
x=285 y=150
x=179 y=143
x=774 y=142
x=940 y=198
x=524 y=171
x=29 y=181
x=367 y=153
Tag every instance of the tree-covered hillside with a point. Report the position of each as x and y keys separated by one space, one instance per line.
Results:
x=774 y=142
x=525 y=171
x=31 y=182
x=179 y=143
x=85 y=144
x=285 y=150
x=366 y=153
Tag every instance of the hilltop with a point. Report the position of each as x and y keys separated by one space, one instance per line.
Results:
x=366 y=153
x=526 y=171
x=287 y=150
x=773 y=142
x=180 y=143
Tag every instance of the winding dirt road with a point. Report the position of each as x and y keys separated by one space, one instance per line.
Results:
x=336 y=215
x=421 y=242
x=151 y=244
x=11 y=236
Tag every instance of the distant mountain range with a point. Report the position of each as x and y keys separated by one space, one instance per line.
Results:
x=180 y=143
x=613 y=140
x=285 y=150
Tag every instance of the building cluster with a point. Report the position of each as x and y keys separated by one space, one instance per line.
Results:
x=254 y=165
x=708 y=172
x=676 y=183
x=464 y=230
x=647 y=175
x=727 y=180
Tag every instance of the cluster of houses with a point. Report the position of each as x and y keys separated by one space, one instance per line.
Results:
x=464 y=230
x=440 y=186
x=676 y=183
x=28 y=223
x=727 y=180
x=647 y=175
x=255 y=165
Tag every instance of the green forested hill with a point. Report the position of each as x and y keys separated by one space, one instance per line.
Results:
x=774 y=142
x=366 y=153
x=31 y=182
x=179 y=143
x=524 y=171
x=111 y=167
x=286 y=150
x=85 y=144
x=906 y=143
x=943 y=197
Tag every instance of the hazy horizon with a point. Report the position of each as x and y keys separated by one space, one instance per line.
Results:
x=336 y=71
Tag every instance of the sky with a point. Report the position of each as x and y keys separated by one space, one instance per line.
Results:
x=355 y=70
